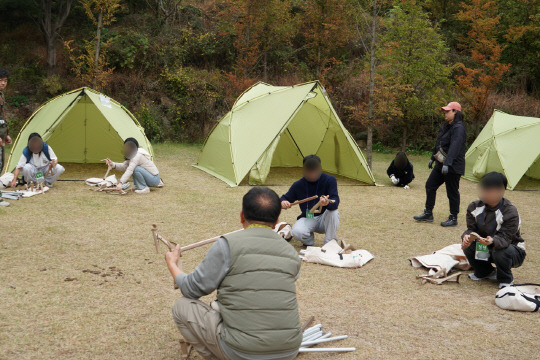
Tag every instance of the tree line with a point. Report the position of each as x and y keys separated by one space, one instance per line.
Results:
x=387 y=65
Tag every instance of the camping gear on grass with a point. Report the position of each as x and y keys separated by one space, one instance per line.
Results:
x=508 y=144
x=5 y=180
x=276 y=126
x=284 y=229
x=83 y=126
x=441 y=262
x=315 y=335
x=523 y=297
x=340 y=255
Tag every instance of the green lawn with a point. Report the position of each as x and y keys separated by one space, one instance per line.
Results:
x=80 y=278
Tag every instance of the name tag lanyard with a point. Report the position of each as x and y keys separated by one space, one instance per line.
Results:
x=309 y=214
x=482 y=251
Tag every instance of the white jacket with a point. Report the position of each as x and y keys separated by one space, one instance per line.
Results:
x=142 y=159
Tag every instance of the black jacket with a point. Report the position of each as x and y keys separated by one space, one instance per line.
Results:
x=405 y=176
x=452 y=138
x=502 y=223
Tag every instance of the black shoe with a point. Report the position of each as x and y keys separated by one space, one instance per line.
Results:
x=427 y=216
x=451 y=221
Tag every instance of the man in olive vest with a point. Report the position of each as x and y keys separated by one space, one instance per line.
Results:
x=254 y=272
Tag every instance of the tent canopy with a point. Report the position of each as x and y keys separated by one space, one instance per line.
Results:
x=276 y=126
x=507 y=144
x=82 y=126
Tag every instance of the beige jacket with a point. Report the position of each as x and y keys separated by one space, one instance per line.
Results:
x=142 y=159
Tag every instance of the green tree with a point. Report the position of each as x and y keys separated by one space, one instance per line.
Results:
x=412 y=58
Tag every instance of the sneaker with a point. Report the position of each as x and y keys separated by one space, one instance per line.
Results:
x=427 y=216
x=146 y=190
x=492 y=276
x=161 y=184
x=451 y=221
x=3 y=203
x=406 y=187
x=503 y=285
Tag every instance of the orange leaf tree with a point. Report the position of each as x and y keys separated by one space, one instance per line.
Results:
x=484 y=71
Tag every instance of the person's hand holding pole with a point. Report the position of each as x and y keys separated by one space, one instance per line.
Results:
x=171 y=258
x=324 y=200
x=285 y=205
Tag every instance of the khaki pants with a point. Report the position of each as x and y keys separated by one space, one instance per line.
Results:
x=200 y=325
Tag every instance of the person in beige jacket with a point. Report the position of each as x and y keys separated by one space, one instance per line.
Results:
x=138 y=164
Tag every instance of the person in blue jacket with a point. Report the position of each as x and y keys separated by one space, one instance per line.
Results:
x=314 y=182
x=400 y=171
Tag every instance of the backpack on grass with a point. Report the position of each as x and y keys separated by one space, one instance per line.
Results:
x=522 y=297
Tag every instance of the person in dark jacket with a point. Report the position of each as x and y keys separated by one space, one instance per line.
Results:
x=449 y=159
x=497 y=222
x=314 y=182
x=400 y=171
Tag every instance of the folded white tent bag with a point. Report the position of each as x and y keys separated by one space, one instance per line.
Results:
x=330 y=254
x=442 y=261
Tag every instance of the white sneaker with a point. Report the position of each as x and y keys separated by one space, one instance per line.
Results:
x=492 y=276
x=503 y=285
x=161 y=184
x=146 y=190
x=406 y=187
x=4 y=203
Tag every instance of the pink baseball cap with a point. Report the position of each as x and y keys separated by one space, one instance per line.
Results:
x=452 y=106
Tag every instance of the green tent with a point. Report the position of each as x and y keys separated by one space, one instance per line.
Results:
x=276 y=126
x=507 y=144
x=82 y=126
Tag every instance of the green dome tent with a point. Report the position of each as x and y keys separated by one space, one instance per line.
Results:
x=82 y=126
x=276 y=126
x=508 y=144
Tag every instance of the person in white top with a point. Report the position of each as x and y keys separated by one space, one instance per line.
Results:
x=38 y=162
x=138 y=163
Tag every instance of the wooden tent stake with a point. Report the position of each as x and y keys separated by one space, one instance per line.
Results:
x=305 y=200
x=172 y=245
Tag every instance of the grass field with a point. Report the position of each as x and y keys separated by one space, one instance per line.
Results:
x=80 y=278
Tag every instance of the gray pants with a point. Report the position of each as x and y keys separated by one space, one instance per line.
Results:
x=200 y=325
x=143 y=178
x=29 y=172
x=327 y=224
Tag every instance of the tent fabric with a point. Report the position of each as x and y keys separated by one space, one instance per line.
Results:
x=82 y=126
x=276 y=126
x=507 y=144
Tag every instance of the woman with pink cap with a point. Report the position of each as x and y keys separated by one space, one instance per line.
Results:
x=449 y=159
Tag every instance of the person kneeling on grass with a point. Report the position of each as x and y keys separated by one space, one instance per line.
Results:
x=38 y=162
x=254 y=272
x=138 y=163
x=497 y=222
x=400 y=171
x=314 y=182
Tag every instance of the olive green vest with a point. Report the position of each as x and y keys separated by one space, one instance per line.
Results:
x=257 y=297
